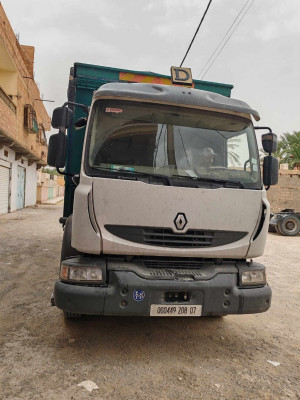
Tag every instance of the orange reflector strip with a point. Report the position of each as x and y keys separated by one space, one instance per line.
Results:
x=130 y=77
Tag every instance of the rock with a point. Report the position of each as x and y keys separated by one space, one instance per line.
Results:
x=88 y=385
x=275 y=363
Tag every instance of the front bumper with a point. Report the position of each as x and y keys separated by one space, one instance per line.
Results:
x=217 y=291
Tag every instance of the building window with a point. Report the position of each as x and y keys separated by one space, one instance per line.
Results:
x=30 y=120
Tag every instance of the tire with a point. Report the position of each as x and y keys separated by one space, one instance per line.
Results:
x=66 y=249
x=277 y=229
x=289 y=225
x=70 y=315
x=272 y=228
x=273 y=223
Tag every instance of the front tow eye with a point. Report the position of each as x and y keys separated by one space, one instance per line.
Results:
x=177 y=297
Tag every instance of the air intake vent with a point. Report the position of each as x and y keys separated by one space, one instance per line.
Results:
x=173 y=263
x=165 y=237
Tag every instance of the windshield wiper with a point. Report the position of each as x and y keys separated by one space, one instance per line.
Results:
x=129 y=174
x=224 y=182
x=237 y=184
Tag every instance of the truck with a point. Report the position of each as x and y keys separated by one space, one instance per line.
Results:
x=286 y=222
x=165 y=203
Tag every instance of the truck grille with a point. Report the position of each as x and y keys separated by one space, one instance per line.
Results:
x=165 y=237
x=167 y=262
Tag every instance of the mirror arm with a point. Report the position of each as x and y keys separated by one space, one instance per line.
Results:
x=85 y=108
x=63 y=173
x=263 y=127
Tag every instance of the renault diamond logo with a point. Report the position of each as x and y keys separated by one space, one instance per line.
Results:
x=180 y=221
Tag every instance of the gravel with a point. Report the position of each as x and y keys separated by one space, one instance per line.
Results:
x=42 y=356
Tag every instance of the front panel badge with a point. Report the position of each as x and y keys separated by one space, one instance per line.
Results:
x=180 y=221
x=138 y=295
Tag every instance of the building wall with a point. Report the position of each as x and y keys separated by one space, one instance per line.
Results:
x=8 y=81
x=30 y=178
x=16 y=92
x=20 y=144
x=287 y=193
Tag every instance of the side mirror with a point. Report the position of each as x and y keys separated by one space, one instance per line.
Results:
x=57 y=150
x=61 y=118
x=52 y=150
x=270 y=171
x=269 y=142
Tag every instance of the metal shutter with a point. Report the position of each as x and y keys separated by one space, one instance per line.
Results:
x=4 y=186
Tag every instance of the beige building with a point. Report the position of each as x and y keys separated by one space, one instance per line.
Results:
x=49 y=186
x=23 y=122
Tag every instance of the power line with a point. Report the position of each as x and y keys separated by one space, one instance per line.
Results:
x=228 y=30
x=224 y=44
x=202 y=19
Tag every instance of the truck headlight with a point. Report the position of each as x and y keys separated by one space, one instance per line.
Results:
x=80 y=274
x=253 y=278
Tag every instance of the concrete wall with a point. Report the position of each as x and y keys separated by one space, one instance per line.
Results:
x=287 y=193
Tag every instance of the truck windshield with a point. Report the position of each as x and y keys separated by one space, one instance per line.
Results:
x=136 y=138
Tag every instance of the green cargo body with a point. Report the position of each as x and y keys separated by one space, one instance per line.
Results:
x=84 y=80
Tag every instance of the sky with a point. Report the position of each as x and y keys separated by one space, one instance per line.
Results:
x=261 y=58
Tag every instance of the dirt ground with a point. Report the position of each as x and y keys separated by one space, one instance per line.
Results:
x=44 y=357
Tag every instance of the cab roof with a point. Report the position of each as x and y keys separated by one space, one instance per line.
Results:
x=175 y=95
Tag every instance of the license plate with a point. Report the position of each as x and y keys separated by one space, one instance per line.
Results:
x=159 y=310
